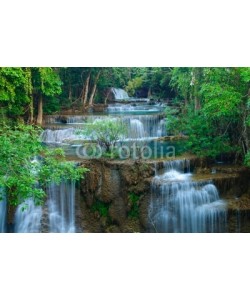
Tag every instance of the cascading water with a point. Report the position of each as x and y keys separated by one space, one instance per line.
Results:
x=3 y=210
x=120 y=108
x=136 y=109
x=145 y=126
x=61 y=207
x=76 y=119
x=61 y=211
x=179 y=204
x=58 y=136
x=138 y=127
x=119 y=94
x=161 y=128
x=28 y=217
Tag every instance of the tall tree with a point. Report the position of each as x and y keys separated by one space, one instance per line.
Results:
x=46 y=84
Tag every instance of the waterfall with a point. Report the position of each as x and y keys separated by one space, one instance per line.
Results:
x=61 y=210
x=161 y=129
x=61 y=206
x=145 y=126
x=119 y=94
x=179 y=204
x=120 y=108
x=128 y=108
x=28 y=217
x=71 y=119
x=136 y=129
x=60 y=135
x=3 y=211
x=66 y=119
x=76 y=119
x=152 y=125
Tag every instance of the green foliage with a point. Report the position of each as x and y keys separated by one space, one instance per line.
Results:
x=46 y=83
x=133 y=85
x=215 y=111
x=247 y=159
x=21 y=175
x=14 y=90
x=181 y=79
x=201 y=131
x=20 y=89
x=100 y=207
x=112 y=154
x=214 y=102
x=221 y=90
x=134 y=204
x=55 y=167
x=106 y=132
x=49 y=82
x=52 y=106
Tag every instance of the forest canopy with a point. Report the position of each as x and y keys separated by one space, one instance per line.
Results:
x=213 y=103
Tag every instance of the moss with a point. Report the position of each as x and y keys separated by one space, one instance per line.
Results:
x=134 y=204
x=100 y=207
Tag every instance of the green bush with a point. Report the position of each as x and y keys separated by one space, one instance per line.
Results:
x=23 y=177
x=100 y=207
x=106 y=132
x=247 y=159
x=203 y=138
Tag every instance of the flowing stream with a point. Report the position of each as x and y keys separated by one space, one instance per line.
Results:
x=28 y=217
x=141 y=122
x=61 y=207
x=179 y=204
x=119 y=94
x=60 y=215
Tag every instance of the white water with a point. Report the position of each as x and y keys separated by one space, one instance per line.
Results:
x=28 y=217
x=118 y=108
x=146 y=126
x=179 y=204
x=61 y=207
x=3 y=211
x=60 y=136
x=128 y=108
x=61 y=211
x=119 y=94
x=161 y=128
x=138 y=127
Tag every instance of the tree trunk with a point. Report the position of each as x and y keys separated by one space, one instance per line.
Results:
x=197 y=82
x=70 y=92
x=91 y=99
x=31 y=112
x=149 y=93
x=30 y=95
x=40 y=111
x=107 y=96
x=197 y=105
x=85 y=93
